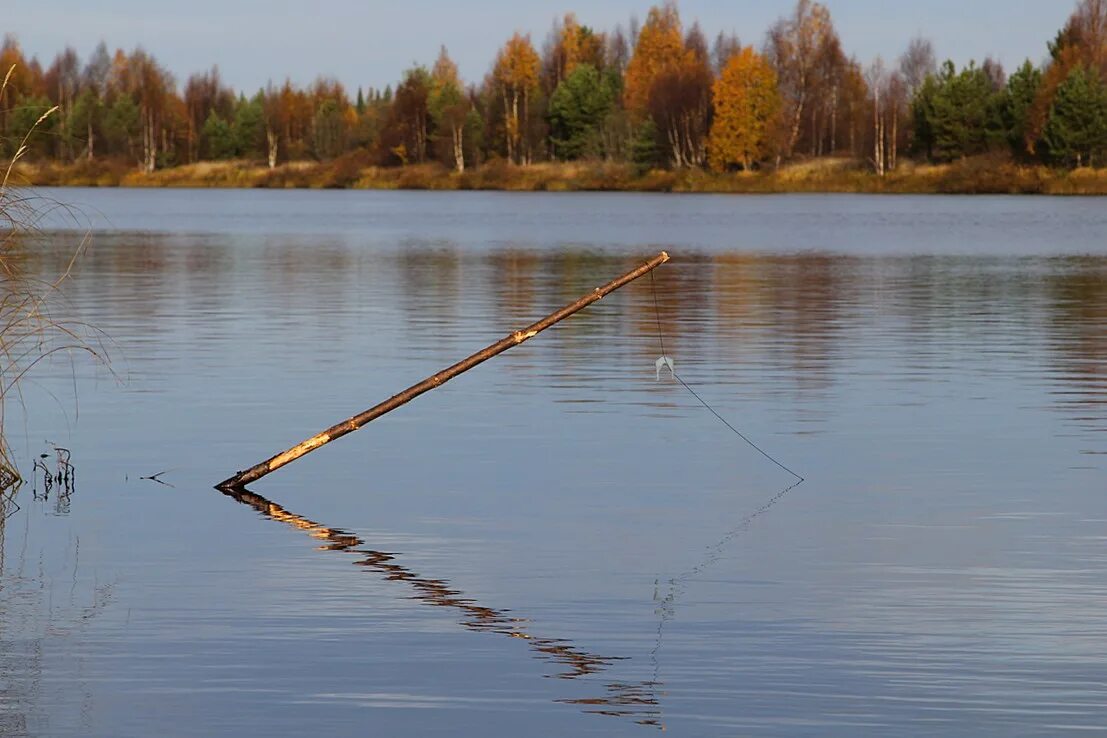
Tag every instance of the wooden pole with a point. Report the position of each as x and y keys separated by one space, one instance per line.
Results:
x=242 y=478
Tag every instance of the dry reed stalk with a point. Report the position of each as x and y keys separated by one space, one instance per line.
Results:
x=29 y=335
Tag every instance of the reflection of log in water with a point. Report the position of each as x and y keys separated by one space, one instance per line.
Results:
x=637 y=701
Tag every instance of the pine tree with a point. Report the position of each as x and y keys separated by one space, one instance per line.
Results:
x=644 y=150
x=578 y=108
x=23 y=119
x=86 y=120
x=1018 y=100
x=121 y=125
x=1076 y=132
x=249 y=128
x=217 y=138
x=957 y=114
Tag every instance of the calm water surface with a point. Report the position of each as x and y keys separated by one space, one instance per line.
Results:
x=556 y=543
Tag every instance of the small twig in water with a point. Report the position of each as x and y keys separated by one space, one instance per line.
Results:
x=157 y=478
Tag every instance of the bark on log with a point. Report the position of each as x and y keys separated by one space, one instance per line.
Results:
x=242 y=478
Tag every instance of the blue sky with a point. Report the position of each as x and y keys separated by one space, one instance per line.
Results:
x=369 y=42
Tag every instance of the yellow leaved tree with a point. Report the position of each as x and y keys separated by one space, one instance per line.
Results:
x=516 y=74
x=747 y=106
x=569 y=45
x=660 y=48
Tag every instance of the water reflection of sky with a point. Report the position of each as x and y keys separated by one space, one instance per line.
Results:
x=941 y=571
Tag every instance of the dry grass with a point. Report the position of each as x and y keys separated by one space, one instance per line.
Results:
x=1082 y=181
x=29 y=335
x=991 y=174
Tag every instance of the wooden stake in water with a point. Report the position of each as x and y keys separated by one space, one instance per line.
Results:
x=241 y=479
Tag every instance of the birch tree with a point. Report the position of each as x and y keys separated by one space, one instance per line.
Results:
x=877 y=78
x=449 y=110
x=151 y=88
x=94 y=81
x=63 y=84
x=797 y=46
x=917 y=63
x=516 y=75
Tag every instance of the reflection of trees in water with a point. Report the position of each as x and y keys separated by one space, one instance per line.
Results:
x=777 y=323
x=1077 y=291
x=994 y=314
x=782 y=321
x=431 y=294
x=38 y=613
x=525 y=285
x=637 y=701
x=784 y=306
x=520 y=290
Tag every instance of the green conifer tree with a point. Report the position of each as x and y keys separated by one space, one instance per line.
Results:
x=578 y=108
x=121 y=125
x=1018 y=99
x=1076 y=132
x=958 y=114
x=249 y=128
x=217 y=138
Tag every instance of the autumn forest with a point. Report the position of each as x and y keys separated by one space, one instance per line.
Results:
x=657 y=99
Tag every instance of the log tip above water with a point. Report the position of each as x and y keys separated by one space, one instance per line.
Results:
x=230 y=485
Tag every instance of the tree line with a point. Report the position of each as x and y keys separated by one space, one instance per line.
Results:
x=655 y=94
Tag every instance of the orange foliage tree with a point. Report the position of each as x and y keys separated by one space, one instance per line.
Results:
x=660 y=48
x=747 y=105
x=516 y=75
x=570 y=44
x=668 y=80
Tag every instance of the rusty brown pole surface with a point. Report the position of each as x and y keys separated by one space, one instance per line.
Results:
x=242 y=478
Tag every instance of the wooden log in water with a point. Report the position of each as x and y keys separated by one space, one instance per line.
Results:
x=242 y=478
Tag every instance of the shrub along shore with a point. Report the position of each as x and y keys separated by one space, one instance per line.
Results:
x=975 y=175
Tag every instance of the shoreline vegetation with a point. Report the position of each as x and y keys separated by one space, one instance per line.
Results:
x=984 y=175
x=651 y=106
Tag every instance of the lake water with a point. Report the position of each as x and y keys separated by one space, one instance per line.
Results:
x=556 y=543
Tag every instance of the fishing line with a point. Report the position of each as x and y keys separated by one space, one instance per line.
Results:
x=677 y=585
x=713 y=411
